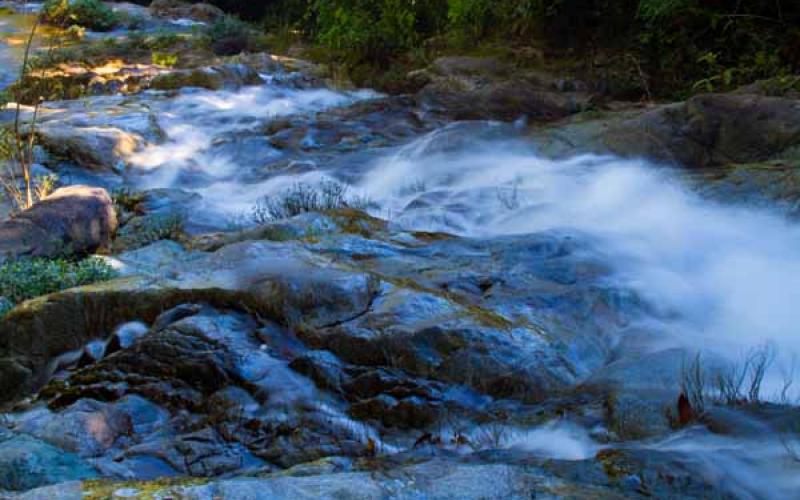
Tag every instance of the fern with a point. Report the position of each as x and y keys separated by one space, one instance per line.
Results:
x=656 y=10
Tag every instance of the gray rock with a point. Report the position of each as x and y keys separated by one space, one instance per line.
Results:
x=27 y=463
x=706 y=130
x=99 y=148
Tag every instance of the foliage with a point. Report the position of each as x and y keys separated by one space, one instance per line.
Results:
x=728 y=383
x=366 y=30
x=229 y=35
x=142 y=231
x=302 y=198
x=91 y=14
x=24 y=279
x=653 y=47
x=164 y=59
x=127 y=199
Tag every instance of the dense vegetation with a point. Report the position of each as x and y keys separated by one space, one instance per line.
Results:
x=28 y=278
x=92 y=14
x=667 y=46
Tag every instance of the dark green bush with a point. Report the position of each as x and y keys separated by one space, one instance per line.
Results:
x=91 y=14
x=24 y=279
x=366 y=30
x=229 y=36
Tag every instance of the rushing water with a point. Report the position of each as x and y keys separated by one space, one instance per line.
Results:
x=722 y=277
x=719 y=277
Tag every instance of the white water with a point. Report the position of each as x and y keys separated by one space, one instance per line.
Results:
x=723 y=278
x=195 y=120
x=720 y=277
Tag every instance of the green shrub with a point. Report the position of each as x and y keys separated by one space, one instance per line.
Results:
x=164 y=59
x=91 y=14
x=366 y=30
x=229 y=36
x=25 y=279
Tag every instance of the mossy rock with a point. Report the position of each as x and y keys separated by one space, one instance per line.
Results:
x=199 y=78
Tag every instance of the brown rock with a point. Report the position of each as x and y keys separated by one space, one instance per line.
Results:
x=75 y=219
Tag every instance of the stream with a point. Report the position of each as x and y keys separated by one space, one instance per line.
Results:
x=678 y=272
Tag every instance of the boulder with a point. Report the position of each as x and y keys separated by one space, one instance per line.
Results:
x=705 y=131
x=100 y=148
x=212 y=78
x=75 y=219
x=27 y=463
x=178 y=9
x=474 y=88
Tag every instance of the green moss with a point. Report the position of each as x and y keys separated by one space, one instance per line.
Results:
x=480 y=314
x=179 y=79
x=145 y=490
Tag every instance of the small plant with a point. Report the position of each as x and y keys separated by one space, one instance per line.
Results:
x=302 y=198
x=142 y=231
x=44 y=185
x=693 y=383
x=127 y=199
x=25 y=279
x=164 y=59
x=730 y=384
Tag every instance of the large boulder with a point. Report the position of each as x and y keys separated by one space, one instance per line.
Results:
x=75 y=219
x=472 y=88
x=707 y=130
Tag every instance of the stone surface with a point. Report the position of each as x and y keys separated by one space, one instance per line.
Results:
x=74 y=219
x=104 y=149
x=707 y=130
x=178 y=9
x=470 y=88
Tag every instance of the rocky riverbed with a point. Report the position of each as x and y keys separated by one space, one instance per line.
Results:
x=506 y=301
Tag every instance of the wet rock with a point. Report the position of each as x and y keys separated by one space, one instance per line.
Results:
x=487 y=476
x=707 y=130
x=104 y=149
x=27 y=463
x=467 y=66
x=324 y=368
x=280 y=280
x=468 y=88
x=75 y=219
x=772 y=185
x=392 y=383
x=88 y=428
x=212 y=78
x=407 y=413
